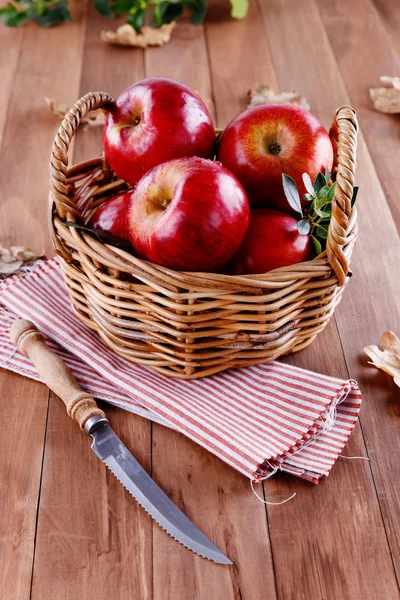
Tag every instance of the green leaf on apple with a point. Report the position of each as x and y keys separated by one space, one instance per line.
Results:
x=327 y=174
x=292 y=193
x=239 y=8
x=317 y=245
x=319 y=182
x=322 y=231
x=331 y=191
x=308 y=185
x=303 y=227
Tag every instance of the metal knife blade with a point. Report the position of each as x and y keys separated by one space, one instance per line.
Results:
x=82 y=407
x=150 y=496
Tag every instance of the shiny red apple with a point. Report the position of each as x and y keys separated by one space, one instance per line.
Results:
x=112 y=217
x=189 y=214
x=265 y=141
x=272 y=241
x=152 y=121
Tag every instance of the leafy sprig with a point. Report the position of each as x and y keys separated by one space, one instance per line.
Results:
x=45 y=12
x=51 y=12
x=317 y=214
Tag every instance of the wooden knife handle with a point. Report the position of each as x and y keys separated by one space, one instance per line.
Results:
x=81 y=406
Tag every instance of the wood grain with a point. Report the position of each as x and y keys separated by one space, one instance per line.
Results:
x=10 y=44
x=365 y=312
x=334 y=540
x=351 y=26
x=93 y=539
x=107 y=543
x=219 y=503
x=29 y=131
x=23 y=410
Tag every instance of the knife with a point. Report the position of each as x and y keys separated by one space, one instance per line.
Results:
x=82 y=407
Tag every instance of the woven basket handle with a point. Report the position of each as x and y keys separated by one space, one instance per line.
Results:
x=59 y=153
x=343 y=135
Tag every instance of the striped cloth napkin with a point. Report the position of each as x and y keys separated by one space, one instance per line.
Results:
x=258 y=420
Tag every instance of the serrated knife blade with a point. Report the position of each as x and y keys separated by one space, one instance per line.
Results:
x=82 y=407
x=150 y=496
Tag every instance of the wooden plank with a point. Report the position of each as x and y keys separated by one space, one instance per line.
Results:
x=43 y=70
x=23 y=414
x=94 y=540
x=217 y=498
x=351 y=26
x=389 y=12
x=239 y=58
x=365 y=312
x=10 y=44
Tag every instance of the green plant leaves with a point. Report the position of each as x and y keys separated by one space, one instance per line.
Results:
x=317 y=245
x=292 y=193
x=304 y=227
x=355 y=192
x=307 y=183
x=45 y=12
x=239 y=8
x=103 y=7
x=319 y=182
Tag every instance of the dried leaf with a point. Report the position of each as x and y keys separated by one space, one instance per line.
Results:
x=263 y=94
x=149 y=36
x=387 y=359
x=15 y=259
x=93 y=119
x=387 y=99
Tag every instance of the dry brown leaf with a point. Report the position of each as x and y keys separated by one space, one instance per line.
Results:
x=14 y=259
x=263 y=94
x=93 y=119
x=149 y=36
x=387 y=359
x=387 y=99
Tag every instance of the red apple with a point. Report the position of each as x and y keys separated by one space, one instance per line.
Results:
x=272 y=241
x=265 y=141
x=112 y=217
x=189 y=214
x=152 y=121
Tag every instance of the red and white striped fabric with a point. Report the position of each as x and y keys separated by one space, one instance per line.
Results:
x=258 y=420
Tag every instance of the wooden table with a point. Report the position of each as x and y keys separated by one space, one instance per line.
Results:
x=67 y=529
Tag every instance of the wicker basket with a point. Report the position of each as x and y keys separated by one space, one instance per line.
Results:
x=190 y=325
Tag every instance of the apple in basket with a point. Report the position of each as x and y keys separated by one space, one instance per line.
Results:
x=189 y=214
x=152 y=121
x=265 y=141
x=272 y=241
x=112 y=216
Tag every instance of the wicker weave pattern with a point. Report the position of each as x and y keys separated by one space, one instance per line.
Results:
x=190 y=325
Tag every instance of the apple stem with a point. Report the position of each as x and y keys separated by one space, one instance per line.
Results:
x=165 y=203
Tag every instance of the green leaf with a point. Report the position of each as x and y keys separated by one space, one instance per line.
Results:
x=239 y=8
x=327 y=174
x=331 y=191
x=166 y=12
x=303 y=227
x=198 y=9
x=122 y=6
x=103 y=7
x=324 y=191
x=322 y=231
x=319 y=182
x=12 y=17
x=323 y=213
x=137 y=19
x=54 y=15
x=317 y=245
x=354 y=198
x=307 y=183
x=291 y=193
x=308 y=197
